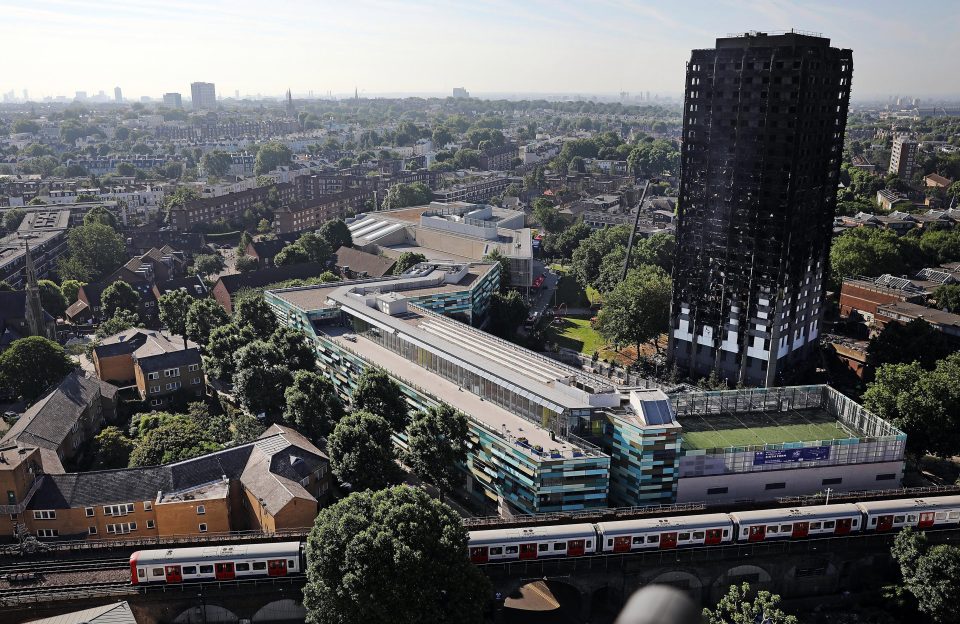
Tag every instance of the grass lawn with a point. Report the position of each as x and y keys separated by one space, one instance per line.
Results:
x=576 y=333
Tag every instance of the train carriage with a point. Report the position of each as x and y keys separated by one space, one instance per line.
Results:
x=922 y=513
x=820 y=520
x=216 y=563
x=664 y=533
x=570 y=540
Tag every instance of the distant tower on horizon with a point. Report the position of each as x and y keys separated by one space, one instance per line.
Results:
x=763 y=123
x=172 y=100
x=460 y=93
x=117 y=95
x=203 y=95
x=356 y=94
x=290 y=110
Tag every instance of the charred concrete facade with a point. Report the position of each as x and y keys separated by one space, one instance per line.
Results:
x=763 y=124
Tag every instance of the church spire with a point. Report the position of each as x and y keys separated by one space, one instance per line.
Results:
x=33 y=314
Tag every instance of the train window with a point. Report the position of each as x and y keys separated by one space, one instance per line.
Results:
x=683 y=537
x=745 y=531
x=243 y=567
x=786 y=528
x=589 y=543
x=911 y=518
x=653 y=539
x=638 y=539
x=829 y=524
x=206 y=569
x=189 y=569
x=698 y=535
x=814 y=526
x=873 y=521
x=897 y=519
x=726 y=533
x=856 y=521
x=142 y=572
x=496 y=550
x=771 y=529
x=543 y=547
x=291 y=564
x=512 y=550
x=609 y=542
x=941 y=515
x=560 y=546
x=259 y=565
x=157 y=572
x=954 y=515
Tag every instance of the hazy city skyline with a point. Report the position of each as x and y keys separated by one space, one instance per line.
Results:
x=425 y=46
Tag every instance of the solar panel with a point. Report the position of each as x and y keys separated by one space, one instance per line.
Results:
x=657 y=412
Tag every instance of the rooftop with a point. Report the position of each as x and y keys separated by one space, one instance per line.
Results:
x=756 y=429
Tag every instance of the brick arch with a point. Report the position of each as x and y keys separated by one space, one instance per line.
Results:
x=683 y=580
x=280 y=611
x=208 y=613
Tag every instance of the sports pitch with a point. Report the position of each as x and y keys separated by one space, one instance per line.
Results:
x=759 y=428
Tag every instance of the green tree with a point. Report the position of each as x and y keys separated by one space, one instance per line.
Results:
x=947 y=297
x=940 y=246
x=377 y=393
x=916 y=341
x=547 y=216
x=118 y=296
x=25 y=125
x=507 y=313
x=506 y=277
x=71 y=290
x=417 y=547
x=271 y=155
x=437 y=447
x=175 y=439
x=588 y=257
x=293 y=349
x=245 y=239
x=317 y=248
x=737 y=607
x=208 y=264
x=404 y=195
x=122 y=320
x=96 y=250
x=563 y=244
x=31 y=365
x=638 y=309
x=261 y=388
x=52 y=299
x=362 y=452
x=923 y=404
x=245 y=264
x=111 y=449
x=865 y=251
x=291 y=254
x=256 y=314
x=216 y=163
x=336 y=233
x=221 y=349
x=930 y=574
x=12 y=218
x=101 y=215
x=312 y=405
x=407 y=260
x=203 y=317
x=173 y=309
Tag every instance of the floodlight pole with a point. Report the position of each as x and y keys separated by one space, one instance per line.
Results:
x=827 y=501
x=636 y=224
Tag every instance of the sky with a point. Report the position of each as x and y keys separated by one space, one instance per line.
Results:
x=148 y=47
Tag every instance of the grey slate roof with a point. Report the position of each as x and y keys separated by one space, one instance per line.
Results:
x=48 y=422
x=115 y=613
x=363 y=262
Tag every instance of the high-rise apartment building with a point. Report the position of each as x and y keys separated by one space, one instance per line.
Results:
x=903 y=157
x=117 y=95
x=204 y=95
x=763 y=123
x=172 y=100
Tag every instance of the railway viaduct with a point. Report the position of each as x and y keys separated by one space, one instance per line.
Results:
x=797 y=569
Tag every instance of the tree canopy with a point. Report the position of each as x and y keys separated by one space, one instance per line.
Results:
x=437 y=446
x=221 y=349
x=376 y=392
x=118 y=296
x=507 y=313
x=95 y=251
x=312 y=405
x=930 y=574
x=256 y=314
x=407 y=260
x=271 y=155
x=404 y=195
x=738 y=607
x=216 y=163
x=203 y=317
x=100 y=214
x=173 y=309
x=32 y=364
x=362 y=452
x=392 y=556
x=336 y=233
x=175 y=438
x=52 y=298
x=865 y=251
x=637 y=310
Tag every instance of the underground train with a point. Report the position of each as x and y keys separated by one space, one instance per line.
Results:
x=232 y=562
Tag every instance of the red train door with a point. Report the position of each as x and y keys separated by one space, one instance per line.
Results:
x=757 y=533
x=843 y=526
x=224 y=571
x=884 y=523
x=277 y=567
x=668 y=540
x=714 y=536
x=528 y=551
x=621 y=544
x=575 y=548
x=173 y=574
x=926 y=520
x=479 y=554
x=800 y=529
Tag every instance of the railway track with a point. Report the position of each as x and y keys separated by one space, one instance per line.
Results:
x=53 y=567
x=64 y=592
